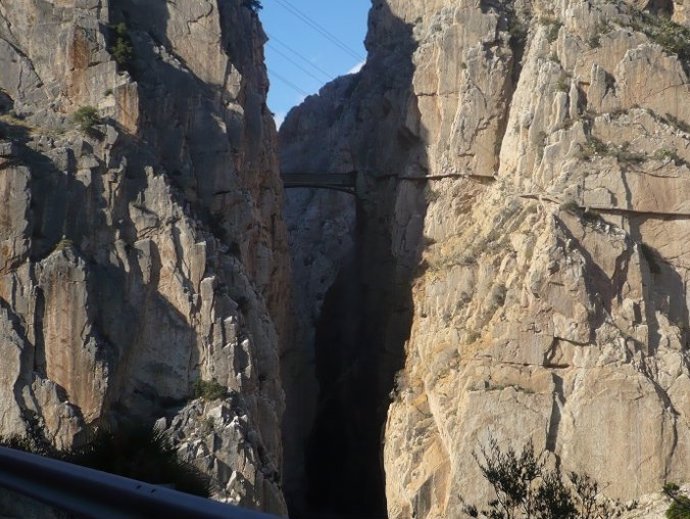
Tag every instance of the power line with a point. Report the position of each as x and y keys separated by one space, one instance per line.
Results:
x=303 y=69
x=289 y=83
x=320 y=29
x=300 y=56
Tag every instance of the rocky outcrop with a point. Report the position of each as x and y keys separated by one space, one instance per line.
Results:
x=522 y=213
x=146 y=250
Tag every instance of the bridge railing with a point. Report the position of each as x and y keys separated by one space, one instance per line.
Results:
x=93 y=494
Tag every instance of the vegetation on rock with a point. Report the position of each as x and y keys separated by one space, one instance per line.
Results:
x=526 y=488
x=143 y=454
x=680 y=507
x=121 y=47
x=673 y=37
x=139 y=453
x=209 y=389
x=253 y=5
x=86 y=118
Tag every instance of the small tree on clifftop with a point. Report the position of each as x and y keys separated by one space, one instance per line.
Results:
x=254 y=5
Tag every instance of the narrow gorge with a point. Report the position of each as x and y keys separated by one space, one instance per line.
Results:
x=519 y=250
x=512 y=261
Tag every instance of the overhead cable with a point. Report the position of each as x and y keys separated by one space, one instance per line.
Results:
x=289 y=83
x=320 y=29
x=296 y=64
x=300 y=56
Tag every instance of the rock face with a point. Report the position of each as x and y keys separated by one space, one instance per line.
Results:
x=523 y=212
x=145 y=251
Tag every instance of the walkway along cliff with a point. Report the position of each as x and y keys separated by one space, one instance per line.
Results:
x=517 y=250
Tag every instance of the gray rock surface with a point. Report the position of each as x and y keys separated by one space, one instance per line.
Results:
x=149 y=251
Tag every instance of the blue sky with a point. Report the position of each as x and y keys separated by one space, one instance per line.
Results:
x=299 y=56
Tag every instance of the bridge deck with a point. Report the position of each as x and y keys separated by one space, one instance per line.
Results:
x=323 y=180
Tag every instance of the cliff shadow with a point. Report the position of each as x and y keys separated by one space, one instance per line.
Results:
x=177 y=111
x=203 y=147
x=66 y=212
x=367 y=313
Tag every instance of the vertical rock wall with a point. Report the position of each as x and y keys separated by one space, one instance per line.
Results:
x=148 y=252
x=523 y=186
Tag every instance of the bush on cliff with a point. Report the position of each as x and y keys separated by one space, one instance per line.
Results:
x=253 y=5
x=139 y=453
x=121 y=45
x=680 y=506
x=526 y=489
x=209 y=389
x=86 y=118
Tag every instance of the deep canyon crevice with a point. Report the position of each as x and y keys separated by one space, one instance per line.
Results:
x=360 y=332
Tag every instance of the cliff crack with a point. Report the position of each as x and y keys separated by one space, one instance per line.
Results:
x=556 y=409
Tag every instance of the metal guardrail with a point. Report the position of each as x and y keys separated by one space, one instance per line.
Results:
x=93 y=494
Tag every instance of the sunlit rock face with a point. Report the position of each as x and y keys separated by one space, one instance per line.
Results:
x=147 y=252
x=524 y=169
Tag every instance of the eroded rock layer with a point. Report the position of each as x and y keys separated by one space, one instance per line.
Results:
x=523 y=166
x=145 y=251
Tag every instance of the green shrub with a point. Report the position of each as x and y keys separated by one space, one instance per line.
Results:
x=253 y=5
x=590 y=217
x=563 y=85
x=665 y=154
x=553 y=27
x=121 y=47
x=596 y=148
x=209 y=389
x=593 y=147
x=517 y=31
x=135 y=452
x=526 y=489
x=601 y=28
x=680 y=507
x=673 y=37
x=141 y=453
x=32 y=443
x=86 y=118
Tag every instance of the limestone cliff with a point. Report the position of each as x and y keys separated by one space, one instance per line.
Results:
x=145 y=251
x=523 y=184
